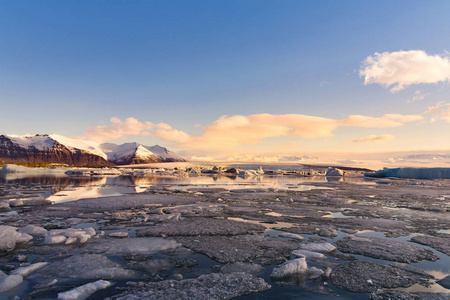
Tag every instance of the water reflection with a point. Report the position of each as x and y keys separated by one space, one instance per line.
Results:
x=61 y=188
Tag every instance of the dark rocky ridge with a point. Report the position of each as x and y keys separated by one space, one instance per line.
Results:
x=13 y=153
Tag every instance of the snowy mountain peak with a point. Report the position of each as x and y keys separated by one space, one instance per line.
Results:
x=25 y=148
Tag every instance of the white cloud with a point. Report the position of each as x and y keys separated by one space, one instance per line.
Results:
x=119 y=130
x=374 y=138
x=132 y=127
x=238 y=130
x=440 y=111
x=404 y=68
x=417 y=96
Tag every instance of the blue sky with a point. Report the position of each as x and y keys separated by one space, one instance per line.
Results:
x=68 y=66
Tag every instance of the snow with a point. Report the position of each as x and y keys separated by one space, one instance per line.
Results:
x=40 y=142
x=84 y=291
x=416 y=173
x=89 y=146
x=295 y=266
x=115 y=152
x=10 y=282
x=121 y=152
x=163 y=153
x=107 y=151
x=143 y=152
x=25 y=271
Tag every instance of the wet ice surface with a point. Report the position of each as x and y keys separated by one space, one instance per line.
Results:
x=148 y=235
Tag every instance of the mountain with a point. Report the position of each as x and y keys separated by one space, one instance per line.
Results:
x=129 y=154
x=60 y=149
x=38 y=149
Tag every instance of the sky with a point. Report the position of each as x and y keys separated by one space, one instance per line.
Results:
x=215 y=78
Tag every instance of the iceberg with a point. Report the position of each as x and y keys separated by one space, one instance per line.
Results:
x=414 y=173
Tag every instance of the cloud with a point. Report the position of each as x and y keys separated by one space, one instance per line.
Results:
x=404 y=68
x=417 y=97
x=440 y=111
x=374 y=138
x=119 y=129
x=238 y=130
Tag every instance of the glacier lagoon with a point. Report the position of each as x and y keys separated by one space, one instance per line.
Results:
x=149 y=233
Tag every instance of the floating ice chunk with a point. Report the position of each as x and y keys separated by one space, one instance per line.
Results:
x=24 y=238
x=90 y=231
x=120 y=234
x=25 y=271
x=54 y=239
x=10 y=282
x=295 y=266
x=289 y=235
x=314 y=273
x=242 y=267
x=33 y=230
x=70 y=240
x=319 y=247
x=8 y=237
x=4 y=204
x=2 y=275
x=86 y=266
x=82 y=235
x=15 y=203
x=135 y=245
x=84 y=291
x=334 y=172
x=307 y=254
x=83 y=238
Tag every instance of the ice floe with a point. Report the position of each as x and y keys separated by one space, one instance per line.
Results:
x=295 y=266
x=84 y=291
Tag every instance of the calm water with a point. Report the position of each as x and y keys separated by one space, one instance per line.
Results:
x=70 y=188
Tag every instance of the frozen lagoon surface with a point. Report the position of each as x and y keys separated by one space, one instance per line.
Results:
x=220 y=237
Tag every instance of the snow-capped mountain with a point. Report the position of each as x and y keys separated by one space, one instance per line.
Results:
x=60 y=149
x=134 y=153
x=46 y=149
x=129 y=154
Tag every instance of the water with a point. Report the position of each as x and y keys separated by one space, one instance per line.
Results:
x=65 y=188
x=70 y=188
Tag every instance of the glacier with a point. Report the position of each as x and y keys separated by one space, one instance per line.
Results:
x=413 y=173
